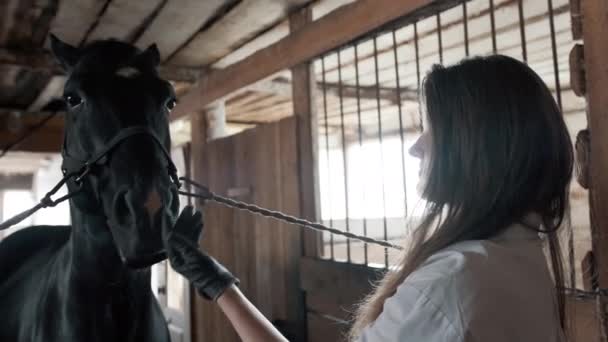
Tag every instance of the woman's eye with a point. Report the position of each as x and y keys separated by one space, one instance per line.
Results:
x=72 y=100
x=170 y=104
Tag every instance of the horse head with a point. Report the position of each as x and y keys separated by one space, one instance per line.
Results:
x=117 y=131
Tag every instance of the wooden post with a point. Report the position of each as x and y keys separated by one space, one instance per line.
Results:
x=304 y=108
x=216 y=120
x=197 y=146
x=595 y=31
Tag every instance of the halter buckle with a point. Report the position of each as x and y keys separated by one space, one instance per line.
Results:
x=86 y=169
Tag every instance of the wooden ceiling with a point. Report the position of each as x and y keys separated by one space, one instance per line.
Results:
x=194 y=36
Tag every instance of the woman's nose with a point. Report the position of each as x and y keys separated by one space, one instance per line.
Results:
x=417 y=149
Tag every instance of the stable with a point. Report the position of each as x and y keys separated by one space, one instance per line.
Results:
x=288 y=125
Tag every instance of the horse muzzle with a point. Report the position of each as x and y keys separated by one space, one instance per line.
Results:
x=139 y=242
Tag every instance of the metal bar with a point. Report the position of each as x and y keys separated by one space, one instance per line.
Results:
x=493 y=25
x=344 y=161
x=384 y=221
x=522 y=30
x=439 y=40
x=558 y=89
x=465 y=19
x=331 y=222
x=360 y=133
x=558 y=92
x=399 y=105
x=417 y=53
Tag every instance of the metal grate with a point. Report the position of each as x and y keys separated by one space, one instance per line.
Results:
x=369 y=112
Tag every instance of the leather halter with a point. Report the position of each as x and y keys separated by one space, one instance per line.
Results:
x=81 y=168
x=76 y=170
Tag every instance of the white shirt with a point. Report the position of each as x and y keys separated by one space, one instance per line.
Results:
x=497 y=290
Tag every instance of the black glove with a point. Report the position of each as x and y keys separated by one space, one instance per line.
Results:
x=207 y=275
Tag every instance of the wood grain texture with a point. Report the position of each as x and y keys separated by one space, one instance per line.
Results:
x=332 y=290
x=74 y=18
x=45 y=141
x=595 y=31
x=584 y=318
x=342 y=284
x=42 y=60
x=25 y=23
x=122 y=18
x=321 y=328
x=16 y=182
x=304 y=88
x=239 y=25
x=330 y=31
x=261 y=41
x=177 y=22
x=53 y=89
x=8 y=10
x=264 y=254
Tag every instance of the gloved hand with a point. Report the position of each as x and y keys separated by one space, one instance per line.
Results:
x=207 y=275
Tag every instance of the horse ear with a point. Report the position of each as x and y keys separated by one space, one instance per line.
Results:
x=151 y=56
x=66 y=54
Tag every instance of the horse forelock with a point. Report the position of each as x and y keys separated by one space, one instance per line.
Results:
x=118 y=59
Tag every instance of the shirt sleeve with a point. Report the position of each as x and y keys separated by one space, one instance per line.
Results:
x=411 y=316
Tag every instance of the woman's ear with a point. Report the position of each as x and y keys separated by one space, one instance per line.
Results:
x=66 y=54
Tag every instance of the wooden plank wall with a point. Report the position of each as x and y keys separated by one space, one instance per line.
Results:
x=332 y=290
x=258 y=166
x=584 y=320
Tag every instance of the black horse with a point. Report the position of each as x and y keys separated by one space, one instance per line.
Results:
x=91 y=281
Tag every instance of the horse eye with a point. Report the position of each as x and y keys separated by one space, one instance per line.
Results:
x=72 y=100
x=170 y=104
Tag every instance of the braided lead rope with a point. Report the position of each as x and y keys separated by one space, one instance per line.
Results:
x=46 y=202
x=206 y=194
x=583 y=294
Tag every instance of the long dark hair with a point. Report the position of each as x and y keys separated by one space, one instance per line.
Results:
x=500 y=150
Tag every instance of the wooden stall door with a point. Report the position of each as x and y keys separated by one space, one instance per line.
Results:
x=257 y=166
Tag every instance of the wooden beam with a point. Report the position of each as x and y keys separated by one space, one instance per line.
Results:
x=184 y=18
x=53 y=89
x=239 y=25
x=47 y=138
x=335 y=29
x=122 y=19
x=24 y=119
x=263 y=40
x=16 y=182
x=282 y=88
x=595 y=31
x=43 y=60
x=44 y=141
x=8 y=11
x=370 y=92
x=74 y=18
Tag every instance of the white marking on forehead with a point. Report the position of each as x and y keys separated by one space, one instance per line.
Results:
x=128 y=72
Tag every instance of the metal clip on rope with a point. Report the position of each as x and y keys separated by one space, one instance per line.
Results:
x=207 y=194
x=46 y=202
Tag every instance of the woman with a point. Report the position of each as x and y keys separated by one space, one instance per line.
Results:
x=496 y=165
